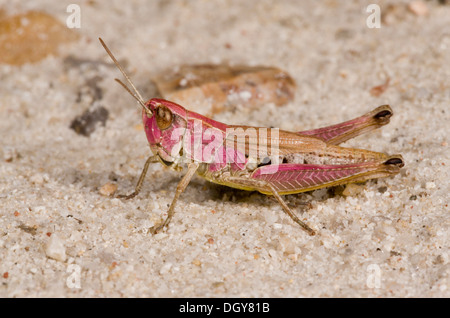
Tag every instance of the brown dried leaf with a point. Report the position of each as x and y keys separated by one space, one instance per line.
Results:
x=211 y=88
x=30 y=37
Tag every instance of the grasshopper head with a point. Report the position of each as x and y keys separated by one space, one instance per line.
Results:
x=165 y=124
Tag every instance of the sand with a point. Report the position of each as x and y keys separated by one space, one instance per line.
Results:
x=61 y=235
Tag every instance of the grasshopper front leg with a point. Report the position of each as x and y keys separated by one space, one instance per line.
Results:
x=192 y=168
x=150 y=160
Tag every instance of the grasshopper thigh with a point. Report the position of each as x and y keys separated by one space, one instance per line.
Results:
x=336 y=134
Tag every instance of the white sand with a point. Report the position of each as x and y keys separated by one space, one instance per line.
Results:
x=223 y=242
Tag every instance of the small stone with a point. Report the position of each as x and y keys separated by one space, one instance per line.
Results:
x=183 y=82
x=382 y=189
x=277 y=226
x=196 y=262
x=55 y=249
x=287 y=244
x=86 y=123
x=430 y=185
x=270 y=217
x=419 y=8
x=108 y=189
x=37 y=178
x=352 y=189
x=165 y=268
x=9 y=154
x=245 y=95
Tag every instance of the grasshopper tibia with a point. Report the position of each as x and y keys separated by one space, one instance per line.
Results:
x=180 y=188
x=150 y=160
x=289 y=212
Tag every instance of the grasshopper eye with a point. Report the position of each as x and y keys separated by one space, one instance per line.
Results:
x=164 y=117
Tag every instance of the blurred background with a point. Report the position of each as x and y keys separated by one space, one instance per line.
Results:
x=70 y=138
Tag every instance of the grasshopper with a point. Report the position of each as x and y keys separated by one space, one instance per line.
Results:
x=271 y=161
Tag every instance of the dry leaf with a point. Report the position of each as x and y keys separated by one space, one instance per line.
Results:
x=209 y=89
x=30 y=37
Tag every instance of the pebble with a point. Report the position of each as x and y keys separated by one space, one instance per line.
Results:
x=86 y=123
x=352 y=189
x=55 y=248
x=419 y=8
x=270 y=217
x=165 y=268
x=9 y=154
x=38 y=178
x=430 y=185
x=277 y=226
x=108 y=189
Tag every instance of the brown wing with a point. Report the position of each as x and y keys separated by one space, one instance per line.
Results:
x=261 y=142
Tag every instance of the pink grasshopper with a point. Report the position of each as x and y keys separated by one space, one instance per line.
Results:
x=296 y=162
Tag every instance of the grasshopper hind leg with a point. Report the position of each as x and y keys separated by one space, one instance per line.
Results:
x=342 y=132
x=289 y=212
x=266 y=187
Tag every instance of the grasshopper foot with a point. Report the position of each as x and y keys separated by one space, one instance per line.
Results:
x=156 y=228
x=126 y=197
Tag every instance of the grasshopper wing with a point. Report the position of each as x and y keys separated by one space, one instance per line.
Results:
x=296 y=178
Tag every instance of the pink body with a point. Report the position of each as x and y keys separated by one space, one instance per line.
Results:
x=308 y=159
x=271 y=161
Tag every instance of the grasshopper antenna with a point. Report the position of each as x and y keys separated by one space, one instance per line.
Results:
x=131 y=93
x=136 y=93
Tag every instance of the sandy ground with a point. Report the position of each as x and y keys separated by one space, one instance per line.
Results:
x=59 y=236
